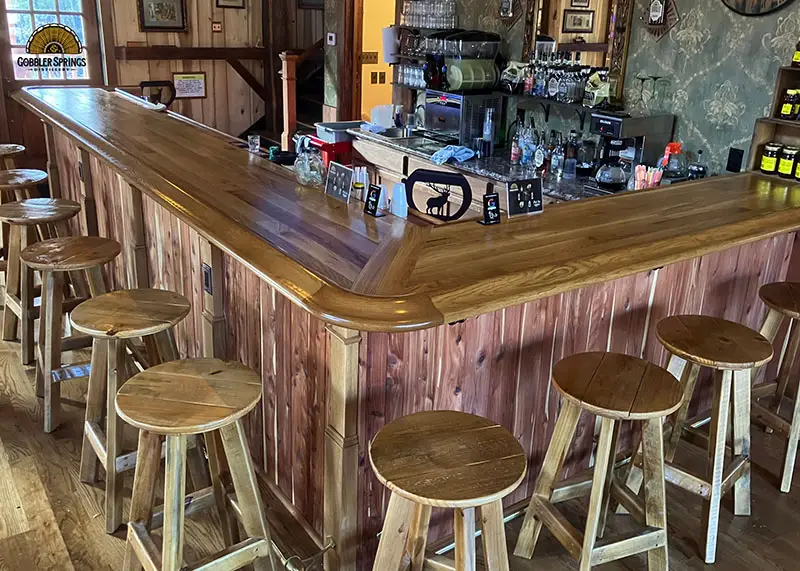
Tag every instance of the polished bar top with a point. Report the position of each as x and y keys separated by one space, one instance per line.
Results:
x=391 y=274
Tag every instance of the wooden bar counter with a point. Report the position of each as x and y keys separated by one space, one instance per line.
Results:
x=354 y=321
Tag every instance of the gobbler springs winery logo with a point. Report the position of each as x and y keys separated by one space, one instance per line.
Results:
x=53 y=47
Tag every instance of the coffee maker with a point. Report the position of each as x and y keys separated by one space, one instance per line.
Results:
x=644 y=137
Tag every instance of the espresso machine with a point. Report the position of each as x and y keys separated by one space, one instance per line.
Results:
x=644 y=137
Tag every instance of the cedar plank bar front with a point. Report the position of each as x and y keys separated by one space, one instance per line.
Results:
x=354 y=321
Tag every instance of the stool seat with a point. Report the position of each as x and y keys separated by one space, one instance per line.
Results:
x=447 y=459
x=72 y=253
x=19 y=178
x=130 y=313
x=33 y=211
x=10 y=149
x=617 y=386
x=783 y=297
x=189 y=397
x=713 y=342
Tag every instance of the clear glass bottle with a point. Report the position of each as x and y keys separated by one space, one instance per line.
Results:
x=557 y=161
x=571 y=156
x=488 y=132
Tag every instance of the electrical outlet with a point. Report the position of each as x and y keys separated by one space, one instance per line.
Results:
x=382 y=77
x=331 y=39
x=216 y=27
x=374 y=77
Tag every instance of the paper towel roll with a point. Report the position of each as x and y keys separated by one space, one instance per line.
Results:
x=391 y=44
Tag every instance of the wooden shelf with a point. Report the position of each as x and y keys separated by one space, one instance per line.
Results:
x=583 y=47
x=790 y=68
x=783 y=122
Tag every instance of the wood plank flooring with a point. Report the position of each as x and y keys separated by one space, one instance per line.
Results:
x=49 y=520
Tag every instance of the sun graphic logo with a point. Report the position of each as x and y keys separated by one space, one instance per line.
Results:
x=52 y=39
x=52 y=45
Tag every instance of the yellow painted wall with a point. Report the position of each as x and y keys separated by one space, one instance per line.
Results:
x=378 y=14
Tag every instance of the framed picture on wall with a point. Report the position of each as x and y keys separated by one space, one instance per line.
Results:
x=579 y=3
x=162 y=16
x=311 y=4
x=230 y=3
x=578 y=22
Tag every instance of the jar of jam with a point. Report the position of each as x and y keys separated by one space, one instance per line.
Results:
x=797 y=171
x=787 y=161
x=796 y=58
x=769 y=158
x=787 y=106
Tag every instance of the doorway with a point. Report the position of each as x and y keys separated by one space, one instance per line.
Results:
x=376 y=78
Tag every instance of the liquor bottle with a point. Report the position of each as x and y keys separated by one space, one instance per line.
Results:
x=557 y=161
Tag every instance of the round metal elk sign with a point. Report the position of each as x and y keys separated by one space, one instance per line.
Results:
x=755 y=7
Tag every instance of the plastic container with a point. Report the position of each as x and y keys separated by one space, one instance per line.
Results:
x=336 y=132
x=466 y=75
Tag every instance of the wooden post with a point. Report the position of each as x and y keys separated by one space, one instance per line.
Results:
x=341 y=451
x=52 y=165
x=88 y=206
x=213 y=310
x=133 y=220
x=289 y=74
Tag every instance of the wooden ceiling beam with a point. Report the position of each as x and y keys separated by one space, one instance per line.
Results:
x=188 y=53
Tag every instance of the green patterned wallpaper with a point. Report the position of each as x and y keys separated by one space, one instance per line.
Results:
x=722 y=67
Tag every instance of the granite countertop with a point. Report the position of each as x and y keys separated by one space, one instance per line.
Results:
x=497 y=168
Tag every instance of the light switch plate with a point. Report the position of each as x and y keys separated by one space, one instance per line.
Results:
x=374 y=78
x=331 y=39
x=382 y=78
x=216 y=27
x=369 y=58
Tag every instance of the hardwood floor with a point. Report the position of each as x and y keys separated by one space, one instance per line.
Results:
x=49 y=520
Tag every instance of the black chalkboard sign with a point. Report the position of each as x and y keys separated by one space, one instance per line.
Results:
x=491 y=209
x=525 y=197
x=339 y=182
x=372 y=201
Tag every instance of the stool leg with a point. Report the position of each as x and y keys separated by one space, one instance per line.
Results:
x=148 y=459
x=495 y=552
x=464 y=523
x=94 y=408
x=12 y=282
x=174 y=494
x=116 y=378
x=655 y=490
x=220 y=477
x=716 y=460
x=601 y=530
x=240 y=464
x=688 y=380
x=26 y=301
x=551 y=470
x=601 y=467
x=50 y=346
x=392 y=545
x=742 y=386
x=418 y=535
x=787 y=364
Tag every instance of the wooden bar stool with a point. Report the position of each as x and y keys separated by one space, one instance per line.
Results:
x=451 y=460
x=613 y=387
x=176 y=400
x=732 y=351
x=24 y=216
x=7 y=153
x=783 y=301
x=78 y=255
x=111 y=319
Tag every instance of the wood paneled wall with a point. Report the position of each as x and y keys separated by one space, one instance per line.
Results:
x=231 y=105
x=497 y=365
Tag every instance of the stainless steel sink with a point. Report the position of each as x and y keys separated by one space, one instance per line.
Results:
x=395 y=133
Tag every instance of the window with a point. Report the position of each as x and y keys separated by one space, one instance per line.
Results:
x=24 y=16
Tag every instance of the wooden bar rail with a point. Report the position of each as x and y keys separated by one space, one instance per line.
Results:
x=345 y=316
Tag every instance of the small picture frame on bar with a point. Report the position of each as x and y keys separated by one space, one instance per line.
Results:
x=162 y=16
x=578 y=22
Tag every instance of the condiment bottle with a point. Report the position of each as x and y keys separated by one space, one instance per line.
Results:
x=796 y=58
x=787 y=161
x=787 y=107
x=769 y=158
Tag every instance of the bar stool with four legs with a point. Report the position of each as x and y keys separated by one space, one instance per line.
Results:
x=783 y=301
x=7 y=154
x=731 y=350
x=111 y=319
x=445 y=459
x=176 y=400
x=24 y=217
x=613 y=387
x=78 y=255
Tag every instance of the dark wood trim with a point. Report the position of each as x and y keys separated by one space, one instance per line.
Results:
x=91 y=22
x=106 y=31
x=354 y=58
x=250 y=79
x=139 y=53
